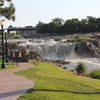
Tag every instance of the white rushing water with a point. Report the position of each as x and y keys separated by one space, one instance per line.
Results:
x=91 y=63
x=51 y=49
x=56 y=50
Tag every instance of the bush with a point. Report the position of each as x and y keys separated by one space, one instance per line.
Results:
x=34 y=62
x=95 y=74
x=80 y=68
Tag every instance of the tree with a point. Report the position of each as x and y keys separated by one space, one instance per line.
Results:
x=41 y=27
x=47 y=28
x=71 y=25
x=80 y=68
x=58 y=21
x=7 y=9
x=97 y=21
x=91 y=24
x=83 y=26
x=52 y=27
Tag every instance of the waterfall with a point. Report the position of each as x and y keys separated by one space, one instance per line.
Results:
x=61 y=51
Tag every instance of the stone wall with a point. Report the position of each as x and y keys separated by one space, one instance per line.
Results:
x=88 y=48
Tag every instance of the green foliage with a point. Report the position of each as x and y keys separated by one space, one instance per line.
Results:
x=51 y=27
x=54 y=83
x=58 y=21
x=81 y=38
x=7 y=9
x=17 y=36
x=95 y=74
x=70 y=26
x=80 y=68
x=34 y=62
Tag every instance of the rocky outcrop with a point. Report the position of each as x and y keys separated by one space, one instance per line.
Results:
x=22 y=53
x=60 y=63
x=88 y=48
x=35 y=56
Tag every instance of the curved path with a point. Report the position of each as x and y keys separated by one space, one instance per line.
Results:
x=12 y=86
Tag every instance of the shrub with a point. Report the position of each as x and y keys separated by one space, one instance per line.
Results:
x=80 y=68
x=95 y=74
x=34 y=62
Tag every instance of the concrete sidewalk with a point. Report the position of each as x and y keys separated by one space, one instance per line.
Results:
x=12 y=86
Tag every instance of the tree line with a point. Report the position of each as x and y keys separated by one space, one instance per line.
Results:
x=70 y=26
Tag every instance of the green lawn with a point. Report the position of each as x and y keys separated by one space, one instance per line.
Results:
x=54 y=83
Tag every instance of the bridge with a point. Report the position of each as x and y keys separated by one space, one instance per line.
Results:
x=21 y=29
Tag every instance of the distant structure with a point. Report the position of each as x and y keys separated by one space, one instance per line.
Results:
x=23 y=30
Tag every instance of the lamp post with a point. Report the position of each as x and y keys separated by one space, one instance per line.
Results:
x=6 y=46
x=3 y=51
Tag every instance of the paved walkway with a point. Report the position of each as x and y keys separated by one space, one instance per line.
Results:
x=11 y=85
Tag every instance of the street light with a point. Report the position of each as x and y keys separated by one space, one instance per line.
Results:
x=3 y=51
x=6 y=46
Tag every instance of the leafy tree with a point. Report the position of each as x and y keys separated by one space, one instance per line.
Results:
x=97 y=21
x=58 y=21
x=83 y=26
x=7 y=9
x=91 y=24
x=80 y=68
x=41 y=27
x=52 y=27
x=71 y=26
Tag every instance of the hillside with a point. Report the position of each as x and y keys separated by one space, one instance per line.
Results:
x=54 y=83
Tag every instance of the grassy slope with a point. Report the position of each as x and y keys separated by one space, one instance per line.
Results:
x=53 y=83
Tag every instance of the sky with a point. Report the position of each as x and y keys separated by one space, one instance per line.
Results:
x=29 y=12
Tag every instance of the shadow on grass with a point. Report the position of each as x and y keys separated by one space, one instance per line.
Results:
x=18 y=92
x=12 y=93
x=48 y=90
